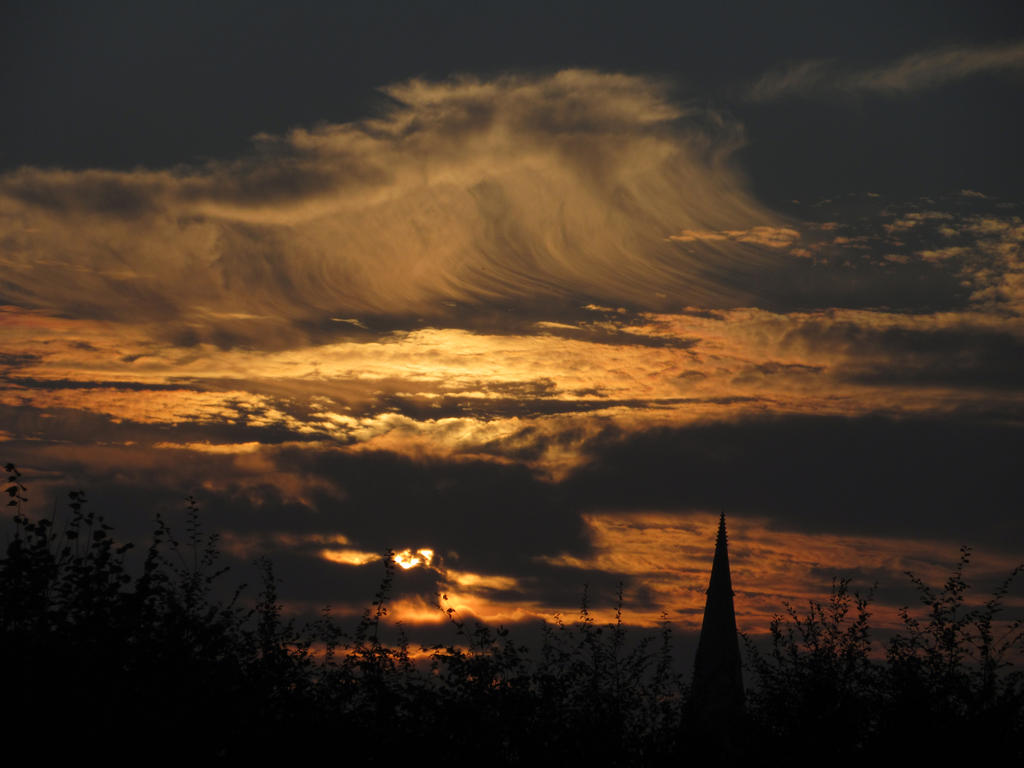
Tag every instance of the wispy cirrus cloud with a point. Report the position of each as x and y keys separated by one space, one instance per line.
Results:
x=918 y=71
x=467 y=190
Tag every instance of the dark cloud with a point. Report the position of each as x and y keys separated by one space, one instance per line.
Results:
x=950 y=478
x=951 y=358
x=135 y=386
x=75 y=426
x=493 y=408
x=89 y=192
x=492 y=515
x=16 y=360
x=957 y=355
x=919 y=71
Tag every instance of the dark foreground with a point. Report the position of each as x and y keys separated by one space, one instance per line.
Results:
x=100 y=660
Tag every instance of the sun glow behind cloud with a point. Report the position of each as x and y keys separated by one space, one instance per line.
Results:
x=665 y=556
x=407 y=559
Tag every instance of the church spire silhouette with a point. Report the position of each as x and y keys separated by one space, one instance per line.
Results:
x=717 y=674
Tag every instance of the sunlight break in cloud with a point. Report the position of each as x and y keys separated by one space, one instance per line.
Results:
x=465 y=190
x=919 y=71
x=669 y=553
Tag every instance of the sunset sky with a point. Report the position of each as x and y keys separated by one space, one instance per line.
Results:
x=538 y=288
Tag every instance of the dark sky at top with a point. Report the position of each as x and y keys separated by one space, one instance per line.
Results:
x=124 y=84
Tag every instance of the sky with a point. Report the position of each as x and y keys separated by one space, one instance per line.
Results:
x=528 y=293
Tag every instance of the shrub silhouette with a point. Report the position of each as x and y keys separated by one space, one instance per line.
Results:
x=819 y=679
x=951 y=672
x=135 y=655
x=945 y=688
x=156 y=658
x=98 y=657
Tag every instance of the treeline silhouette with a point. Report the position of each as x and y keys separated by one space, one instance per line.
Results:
x=102 y=659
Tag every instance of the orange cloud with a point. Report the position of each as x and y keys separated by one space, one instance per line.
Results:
x=767 y=236
x=467 y=190
x=630 y=373
x=670 y=555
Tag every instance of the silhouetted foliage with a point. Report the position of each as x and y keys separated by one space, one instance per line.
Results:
x=100 y=658
x=819 y=679
x=944 y=689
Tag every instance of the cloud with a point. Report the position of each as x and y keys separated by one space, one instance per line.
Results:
x=495 y=321
x=951 y=478
x=467 y=190
x=807 y=498
x=540 y=386
x=916 y=72
x=768 y=237
x=532 y=391
x=668 y=553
